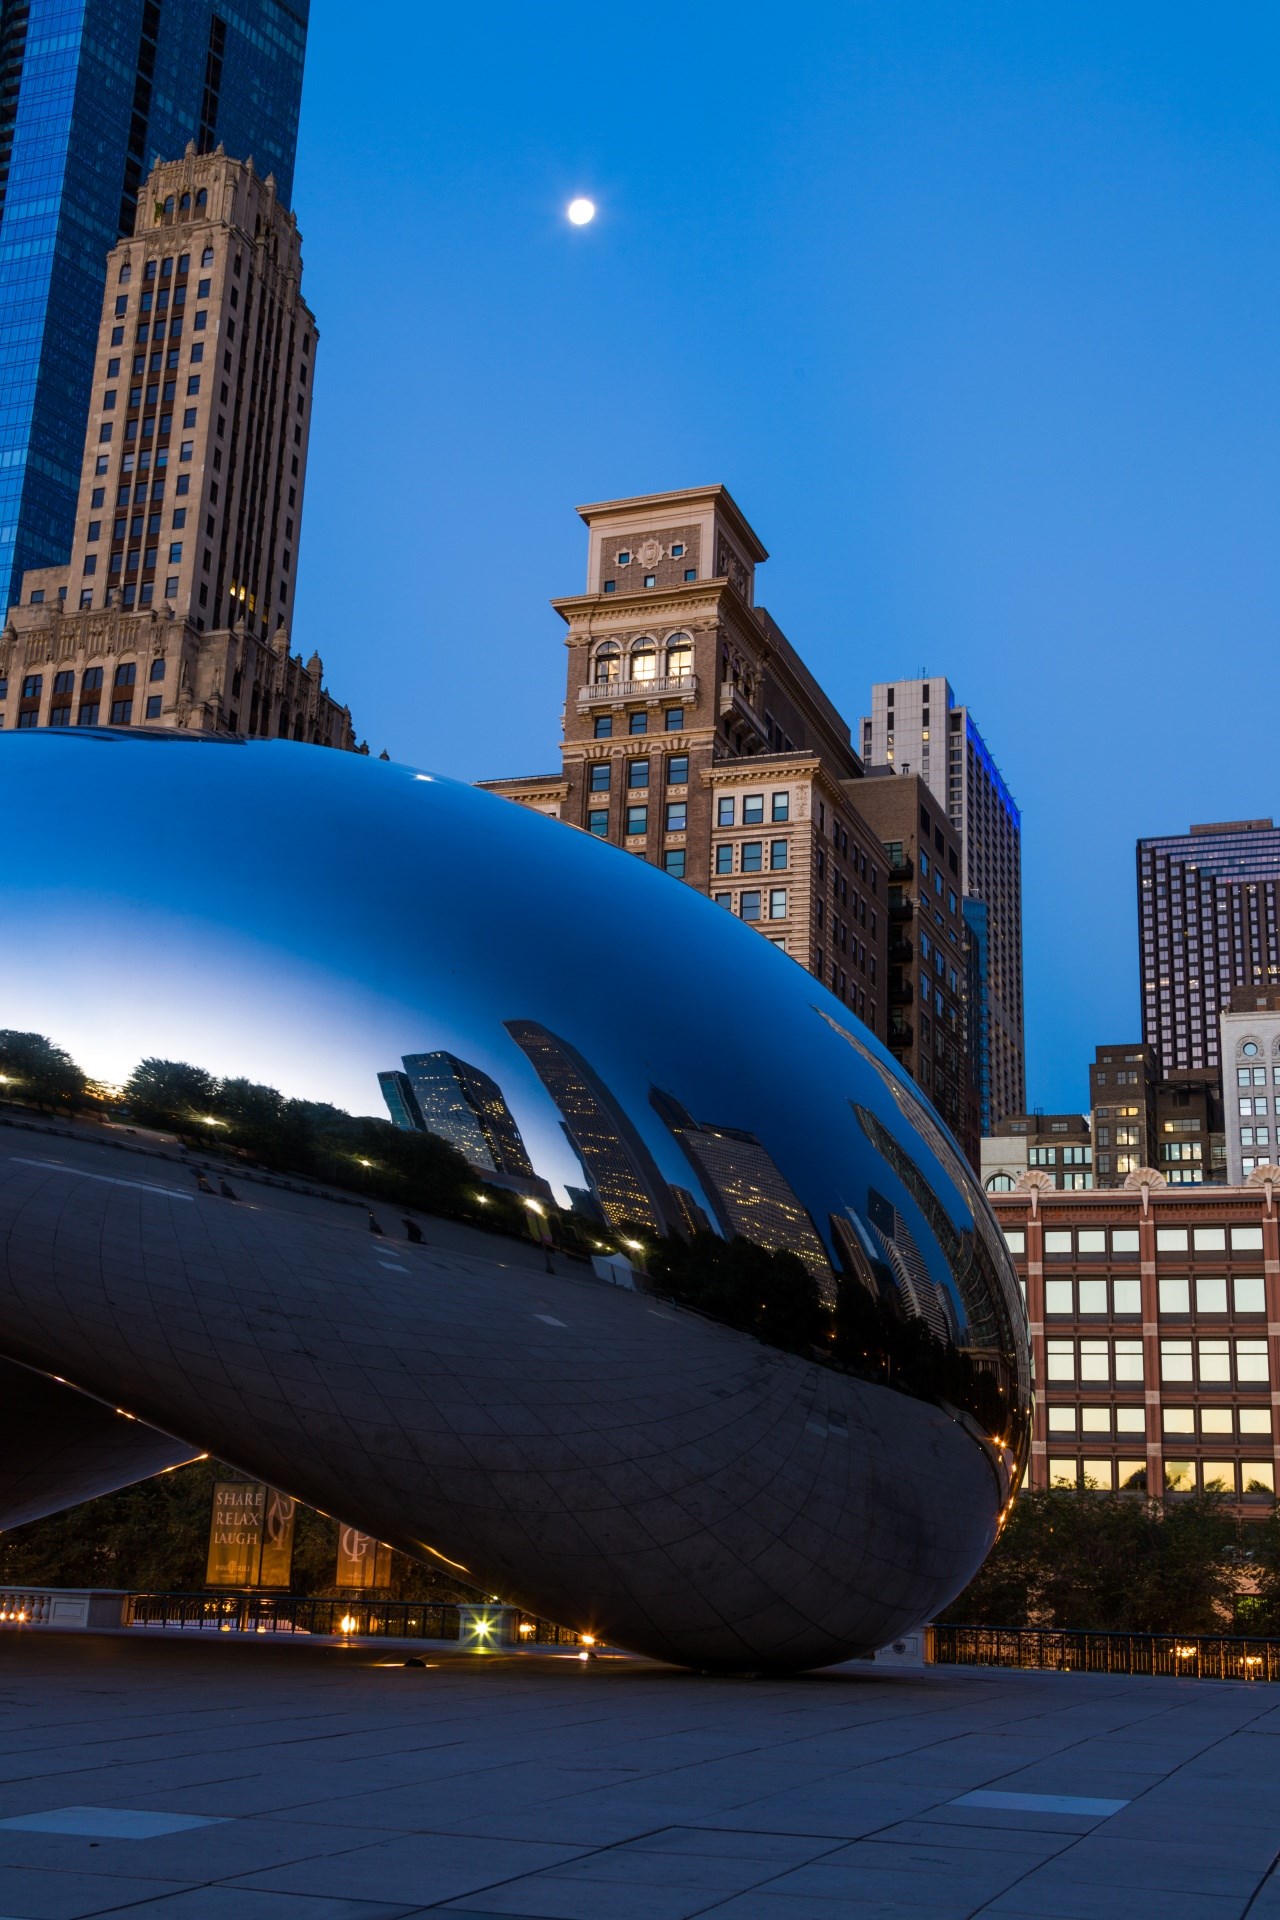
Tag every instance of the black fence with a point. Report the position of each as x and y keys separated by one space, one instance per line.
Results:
x=340 y=1619
x=1188 y=1656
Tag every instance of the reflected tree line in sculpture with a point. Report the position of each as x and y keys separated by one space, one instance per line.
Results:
x=859 y=1326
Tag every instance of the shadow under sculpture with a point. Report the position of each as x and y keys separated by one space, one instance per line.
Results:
x=582 y=1039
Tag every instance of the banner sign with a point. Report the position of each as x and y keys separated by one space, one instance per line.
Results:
x=363 y=1562
x=278 y=1522
x=235 y=1534
x=250 y=1536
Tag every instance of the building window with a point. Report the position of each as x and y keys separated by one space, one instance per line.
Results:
x=125 y=674
x=781 y=807
x=690 y=573
x=33 y=686
x=600 y=772
x=88 y=716
x=63 y=682
x=675 y=719
x=673 y=862
x=724 y=858
x=637 y=773
x=637 y=820
x=638 y=723
x=677 y=816
x=777 y=854
x=679 y=657
x=624 y=558
x=611 y=586
x=749 y=906
x=777 y=903
x=604 y=726
x=598 y=822
x=724 y=811
x=677 y=769
x=154 y=703
x=92 y=680
x=651 y=579
x=121 y=712
x=677 y=551
x=644 y=662
x=752 y=856
x=753 y=810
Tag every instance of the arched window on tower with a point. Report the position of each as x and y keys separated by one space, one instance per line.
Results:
x=679 y=656
x=644 y=661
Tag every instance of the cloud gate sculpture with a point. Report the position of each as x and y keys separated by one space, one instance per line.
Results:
x=487 y=1189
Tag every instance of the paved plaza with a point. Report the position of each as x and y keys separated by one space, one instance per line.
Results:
x=185 y=1779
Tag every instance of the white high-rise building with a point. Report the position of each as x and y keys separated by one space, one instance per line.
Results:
x=1251 y=1080
x=915 y=726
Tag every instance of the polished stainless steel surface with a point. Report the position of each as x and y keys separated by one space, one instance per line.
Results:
x=791 y=1431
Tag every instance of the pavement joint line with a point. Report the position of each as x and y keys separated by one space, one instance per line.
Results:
x=105 y=1179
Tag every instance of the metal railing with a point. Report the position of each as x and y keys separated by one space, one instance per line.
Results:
x=354 y=1619
x=685 y=685
x=1187 y=1656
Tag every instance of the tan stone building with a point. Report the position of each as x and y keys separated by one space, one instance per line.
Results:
x=174 y=608
x=696 y=738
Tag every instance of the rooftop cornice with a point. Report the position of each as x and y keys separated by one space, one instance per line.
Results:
x=717 y=496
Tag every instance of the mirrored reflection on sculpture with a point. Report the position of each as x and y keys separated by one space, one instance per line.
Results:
x=487 y=1189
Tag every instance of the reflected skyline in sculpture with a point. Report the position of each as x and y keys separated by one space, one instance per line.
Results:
x=249 y=1009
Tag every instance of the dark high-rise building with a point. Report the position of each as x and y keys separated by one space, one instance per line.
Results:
x=1207 y=922
x=401 y=1104
x=626 y=1181
x=745 y=1187
x=1141 y=1118
x=91 y=95
x=465 y=1107
x=915 y=727
x=930 y=967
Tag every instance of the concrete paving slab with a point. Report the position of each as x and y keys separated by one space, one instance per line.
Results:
x=343 y=1788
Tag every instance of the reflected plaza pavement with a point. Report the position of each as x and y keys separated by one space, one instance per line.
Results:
x=195 y=1781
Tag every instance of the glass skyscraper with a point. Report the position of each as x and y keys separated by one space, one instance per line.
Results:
x=92 y=92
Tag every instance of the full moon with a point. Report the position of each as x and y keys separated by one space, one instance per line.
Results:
x=582 y=212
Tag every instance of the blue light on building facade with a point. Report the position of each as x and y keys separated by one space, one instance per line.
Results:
x=92 y=92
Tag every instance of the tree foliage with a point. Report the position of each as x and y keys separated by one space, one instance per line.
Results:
x=770 y=1294
x=153 y=1538
x=302 y=1136
x=41 y=1074
x=1110 y=1563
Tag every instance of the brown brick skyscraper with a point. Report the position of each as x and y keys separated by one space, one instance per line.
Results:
x=175 y=606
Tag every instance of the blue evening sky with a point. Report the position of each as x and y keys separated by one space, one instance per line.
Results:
x=974 y=308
